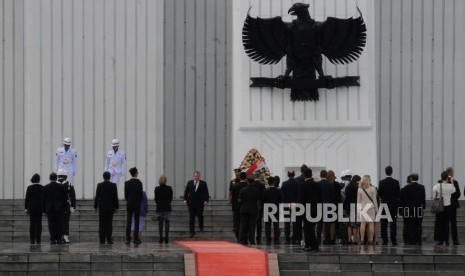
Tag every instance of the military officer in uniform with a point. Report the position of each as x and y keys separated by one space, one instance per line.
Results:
x=115 y=162
x=66 y=159
x=69 y=203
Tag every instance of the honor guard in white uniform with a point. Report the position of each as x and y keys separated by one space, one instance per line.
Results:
x=115 y=162
x=66 y=159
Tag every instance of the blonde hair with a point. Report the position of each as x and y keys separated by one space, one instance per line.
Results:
x=162 y=180
x=365 y=182
x=331 y=177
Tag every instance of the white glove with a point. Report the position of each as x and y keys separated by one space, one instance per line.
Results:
x=72 y=210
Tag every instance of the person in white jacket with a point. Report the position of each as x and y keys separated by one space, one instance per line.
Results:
x=446 y=188
x=115 y=162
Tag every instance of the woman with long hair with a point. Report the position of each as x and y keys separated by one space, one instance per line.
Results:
x=366 y=196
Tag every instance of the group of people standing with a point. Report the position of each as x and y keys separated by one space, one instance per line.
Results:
x=248 y=195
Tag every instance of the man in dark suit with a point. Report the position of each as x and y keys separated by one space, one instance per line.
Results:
x=236 y=205
x=106 y=201
x=297 y=233
x=33 y=206
x=310 y=193
x=195 y=198
x=413 y=201
x=259 y=223
x=249 y=199
x=290 y=191
x=389 y=193
x=328 y=195
x=273 y=196
x=53 y=201
x=133 y=190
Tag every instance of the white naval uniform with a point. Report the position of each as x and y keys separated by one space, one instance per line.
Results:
x=115 y=163
x=66 y=160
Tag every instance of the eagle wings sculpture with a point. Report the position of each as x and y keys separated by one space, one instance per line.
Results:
x=303 y=41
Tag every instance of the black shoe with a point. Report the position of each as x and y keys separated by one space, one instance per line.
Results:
x=160 y=240
x=385 y=243
x=394 y=243
x=447 y=243
x=307 y=249
x=137 y=241
x=259 y=242
x=268 y=242
x=440 y=243
x=166 y=240
x=32 y=242
x=102 y=242
x=276 y=242
x=316 y=249
x=201 y=229
x=456 y=243
x=61 y=242
x=127 y=242
x=53 y=242
x=38 y=242
x=192 y=234
x=110 y=242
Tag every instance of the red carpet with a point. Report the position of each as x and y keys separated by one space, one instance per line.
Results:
x=214 y=258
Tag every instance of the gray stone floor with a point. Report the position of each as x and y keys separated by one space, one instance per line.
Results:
x=155 y=248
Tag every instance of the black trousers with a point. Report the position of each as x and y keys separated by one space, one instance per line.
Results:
x=297 y=229
x=196 y=210
x=259 y=226
x=35 y=227
x=237 y=224
x=55 y=225
x=105 y=225
x=444 y=221
x=453 y=224
x=320 y=230
x=393 y=225
x=275 y=225
x=130 y=212
x=66 y=218
x=413 y=230
x=247 y=228
x=309 y=232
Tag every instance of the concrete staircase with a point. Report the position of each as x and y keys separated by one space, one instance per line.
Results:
x=14 y=223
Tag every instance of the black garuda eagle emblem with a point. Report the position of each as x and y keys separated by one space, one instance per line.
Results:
x=303 y=42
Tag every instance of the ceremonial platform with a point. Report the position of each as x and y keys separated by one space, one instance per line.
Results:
x=84 y=256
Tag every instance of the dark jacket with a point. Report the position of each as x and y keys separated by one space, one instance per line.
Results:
x=70 y=196
x=53 y=198
x=454 y=198
x=106 y=197
x=33 y=201
x=133 y=192
x=273 y=195
x=196 y=198
x=389 y=191
x=235 y=195
x=327 y=192
x=290 y=189
x=413 y=196
x=163 y=198
x=249 y=198
x=310 y=193
x=337 y=192
x=351 y=196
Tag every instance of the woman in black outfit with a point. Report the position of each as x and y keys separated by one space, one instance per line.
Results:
x=351 y=199
x=33 y=206
x=163 y=199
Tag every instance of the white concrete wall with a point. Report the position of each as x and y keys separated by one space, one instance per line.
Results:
x=92 y=71
x=337 y=132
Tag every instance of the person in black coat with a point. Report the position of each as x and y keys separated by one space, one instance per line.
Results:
x=163 y=199
x=235 y=203
x=106 y=201
x=133 y=189
x=454 y=200
x=290 y=191
x=310 y=193
x=273 y=196
x=250 y=204
x=259 y=224
x=327 y=196
x=196 y=197
x=70 y=201
x=351 y=201
x=413 y=202
x=53 y=202
x=389 y=193
x=33 y=206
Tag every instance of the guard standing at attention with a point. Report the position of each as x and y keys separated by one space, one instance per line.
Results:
x=66 y=159
x=115 y=162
